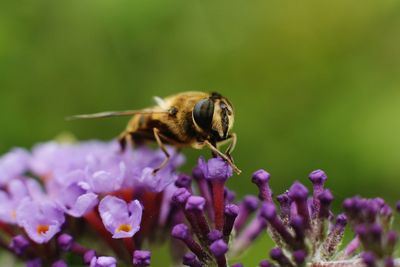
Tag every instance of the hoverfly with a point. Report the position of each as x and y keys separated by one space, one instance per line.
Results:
x=187 y=119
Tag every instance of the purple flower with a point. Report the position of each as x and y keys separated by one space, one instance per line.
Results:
x=41 y=221
x=13 y=164
x=103 y=262
x=120 y=219
x=76 y=201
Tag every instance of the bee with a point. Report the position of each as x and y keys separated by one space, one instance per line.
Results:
x=187 y=119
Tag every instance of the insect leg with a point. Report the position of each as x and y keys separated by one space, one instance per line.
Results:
x=215 y=151
x=232 y=145
x=161 y=145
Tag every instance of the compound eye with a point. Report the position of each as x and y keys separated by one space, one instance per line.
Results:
x=203 y=113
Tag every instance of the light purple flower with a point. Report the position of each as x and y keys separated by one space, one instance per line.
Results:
x=13 y=164
x=155 y=182
x=40 y=220
x=120 y=219
x=76 y=201
x=10 y=200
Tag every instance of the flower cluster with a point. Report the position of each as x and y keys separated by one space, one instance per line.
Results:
x=302 y=225
x=58 y=198
x=57 y=192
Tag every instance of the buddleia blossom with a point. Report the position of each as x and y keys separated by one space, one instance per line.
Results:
x=57 y=189
x=58 y=197
x=371 y=220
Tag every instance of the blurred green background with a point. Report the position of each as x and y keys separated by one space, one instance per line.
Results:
x=315 y=84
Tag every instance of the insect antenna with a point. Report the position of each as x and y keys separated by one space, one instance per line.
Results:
x=109 y=114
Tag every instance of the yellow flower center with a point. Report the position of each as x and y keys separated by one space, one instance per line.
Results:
x=42 y=229
x=124 y=228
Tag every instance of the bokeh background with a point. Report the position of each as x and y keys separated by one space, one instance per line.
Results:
x=315 y=84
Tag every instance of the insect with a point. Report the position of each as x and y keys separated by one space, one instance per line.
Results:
x=187 y=119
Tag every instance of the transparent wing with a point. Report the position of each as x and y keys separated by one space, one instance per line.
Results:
x=109 y=114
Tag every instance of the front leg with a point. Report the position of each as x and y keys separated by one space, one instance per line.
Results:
x=157 y=135
x=232 y=145
x=215 y=151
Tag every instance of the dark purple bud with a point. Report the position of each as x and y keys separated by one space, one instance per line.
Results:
x=283 y=199
x=19 y=244
x=34 y=263
x=392 y=238
x=190 y=259
x=326 y=197
x=180 y=196
x=141 y=258
x=261 y=178
x=65 y=241
x=389 y=262
x=398 y=206
x=361 y=230
x=214 y=235
x=297 y=224
x=376 y=231
x=229 y=195
x=198 y=171
x=183 y=180
x=268 y=211
x=180 y=231
x=195 y=203
x=237 y=265
x=368 y=258
x=318 y=177
x=218 y=248
x=88 y=256
x=298 y=192
x=250 y=203
x=231 y=210
x=341 y=219
x=265 y=263
x=277 y=254
x=299 y=256
x=386 y=211
x=59 y=263
x=348 y=204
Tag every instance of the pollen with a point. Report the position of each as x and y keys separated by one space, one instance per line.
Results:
x=13 y=214
x=124 y=228
x=42 y=229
